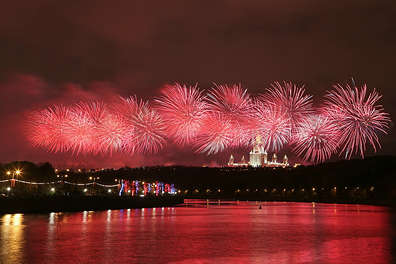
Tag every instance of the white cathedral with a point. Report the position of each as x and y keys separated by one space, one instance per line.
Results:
x=258 y=157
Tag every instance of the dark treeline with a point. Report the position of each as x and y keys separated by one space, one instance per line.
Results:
x=29 y=171
x=370 y=178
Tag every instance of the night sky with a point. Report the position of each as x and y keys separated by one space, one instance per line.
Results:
x=65 y=51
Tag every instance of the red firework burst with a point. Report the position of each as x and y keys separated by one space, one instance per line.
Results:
x=317 y=138
x=149 y=130
x=272 y=125
x=358 y=116
x=46 y=128
x=292 y=100
x=127 y=109
x=111 y=132
x=183 y=110
x=81 y=129
x=236 y=108
x=216 y=134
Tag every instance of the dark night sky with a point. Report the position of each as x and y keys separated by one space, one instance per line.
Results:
x=56 y=51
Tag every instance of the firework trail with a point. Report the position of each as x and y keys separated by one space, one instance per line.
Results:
x=317 y=138
x=292 y=100
x=45 y=128
x=227 y=117
x=81 y=129
x=237 y=110
x=127 y=109
x=149 y=130
x=216 y=136
x=183 y=110
x=272 y=125
x=358 y=116
x=111 y=132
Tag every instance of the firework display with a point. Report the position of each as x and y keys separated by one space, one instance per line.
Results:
x=348 y=120
x=236 y=108
x=183 y=109
x=317 y=138
x=358 y=116
x=272 y=124
x=291 y=100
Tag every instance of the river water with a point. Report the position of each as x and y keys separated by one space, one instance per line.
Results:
x=202 y=232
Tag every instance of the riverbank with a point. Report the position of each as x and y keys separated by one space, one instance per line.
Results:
x=225 y=199
x=45 y=204
x=337 y=195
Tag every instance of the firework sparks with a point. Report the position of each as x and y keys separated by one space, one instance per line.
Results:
x=183 y=110
x=46 y=128
x=292 y=100
x=272 y=125
x=358 y=116
x=149 y=130
x=216 y=135
x=317 y=138
x=111 y=132
x=227 y=117
x=81 y=129
x=236 y=108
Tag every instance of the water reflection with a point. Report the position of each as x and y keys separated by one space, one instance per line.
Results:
x=202 y=232
x=12 y=241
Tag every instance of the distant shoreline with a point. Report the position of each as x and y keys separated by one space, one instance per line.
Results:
x=47 y=204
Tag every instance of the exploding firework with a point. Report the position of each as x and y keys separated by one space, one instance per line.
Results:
x=317 y=138
x=358 y=116
x=45 y=128
x=81 y=129
x=183 y=110
x=237 y=110
x=226 y=118
x=149 y=130
x=111 y=132
x=127 y=110
x=272 y=125
x=216 y=135
x=292 y=100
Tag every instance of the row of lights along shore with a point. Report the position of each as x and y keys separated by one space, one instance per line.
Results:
x=18 y=172
x=314 y=189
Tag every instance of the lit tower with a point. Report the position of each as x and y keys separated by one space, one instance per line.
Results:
x=231 y=161
x=285 y=160
x=255 y=154
x=274 y=158
x=265 y=157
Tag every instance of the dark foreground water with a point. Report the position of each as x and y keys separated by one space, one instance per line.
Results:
x=200 y=233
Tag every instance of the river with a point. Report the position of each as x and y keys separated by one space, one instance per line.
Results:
x=201 y=232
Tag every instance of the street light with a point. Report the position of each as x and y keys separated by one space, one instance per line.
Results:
x=16 y=172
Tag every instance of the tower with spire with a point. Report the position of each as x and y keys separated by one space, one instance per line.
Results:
x=258 y=157
x=231 y=161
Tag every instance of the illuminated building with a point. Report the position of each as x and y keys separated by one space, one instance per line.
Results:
x=242 y=163
x=258 y=157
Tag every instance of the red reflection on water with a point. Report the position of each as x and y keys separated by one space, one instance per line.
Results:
x=204 y=233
